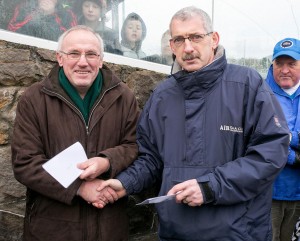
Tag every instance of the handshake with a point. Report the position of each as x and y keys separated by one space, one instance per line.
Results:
x=99 y=192
x=96 y=191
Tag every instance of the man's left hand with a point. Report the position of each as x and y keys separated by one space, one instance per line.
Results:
x=93 y=167
x=188 y=192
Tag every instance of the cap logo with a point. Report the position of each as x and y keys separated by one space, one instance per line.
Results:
x=286 y=44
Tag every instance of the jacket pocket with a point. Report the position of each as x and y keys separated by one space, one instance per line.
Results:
x=51 y=209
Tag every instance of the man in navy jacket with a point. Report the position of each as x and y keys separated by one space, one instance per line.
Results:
x=214 y=135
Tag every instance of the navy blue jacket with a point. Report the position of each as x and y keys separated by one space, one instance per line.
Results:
x=220 y=125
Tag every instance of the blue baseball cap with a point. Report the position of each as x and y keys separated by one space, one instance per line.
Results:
x=289 y=47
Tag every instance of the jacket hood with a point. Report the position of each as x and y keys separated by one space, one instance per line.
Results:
x=133 y=16
x=77 y=6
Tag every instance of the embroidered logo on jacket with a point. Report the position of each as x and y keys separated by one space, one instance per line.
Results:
x=231 y=128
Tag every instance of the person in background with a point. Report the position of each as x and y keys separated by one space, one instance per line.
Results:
x=92 y=13
x=216 y=137
x=46 y=19
x=133 y=33
x=80 y=100
x=296 y=233
x=166 y=52
x=283 y=78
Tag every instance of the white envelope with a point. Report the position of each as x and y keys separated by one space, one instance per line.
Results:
x=63 y=166
x=158 y=199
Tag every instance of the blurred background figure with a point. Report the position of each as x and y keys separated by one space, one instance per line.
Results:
x=166 y=52
x=296 y=234
x=133 y=33
x=92 y=13
x=46 y=19
x=284 y=79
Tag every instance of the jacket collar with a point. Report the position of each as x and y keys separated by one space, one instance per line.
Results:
x=207 y=76
x=52 y=84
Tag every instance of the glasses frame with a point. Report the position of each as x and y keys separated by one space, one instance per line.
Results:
x=182 y=39
x=80 y=54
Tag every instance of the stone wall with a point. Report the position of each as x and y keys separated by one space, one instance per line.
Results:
x=21 y=66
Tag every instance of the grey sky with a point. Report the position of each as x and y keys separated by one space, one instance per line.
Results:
x=248 y=28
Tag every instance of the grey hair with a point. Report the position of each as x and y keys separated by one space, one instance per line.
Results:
x=80 y=27
x=189 y=12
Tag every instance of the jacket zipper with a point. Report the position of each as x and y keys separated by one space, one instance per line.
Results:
x=86 y=127
x=65 y=100
x=92 y=111
x=75 y=108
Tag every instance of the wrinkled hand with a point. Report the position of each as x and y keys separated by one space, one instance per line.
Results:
x=88 y=191
x=93 y=167
x=189 y=192
x=114 y=184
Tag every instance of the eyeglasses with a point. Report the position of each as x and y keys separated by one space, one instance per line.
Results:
x=74 y=55
x=194 y=38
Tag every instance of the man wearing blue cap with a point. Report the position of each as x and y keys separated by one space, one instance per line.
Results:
x=283 y=78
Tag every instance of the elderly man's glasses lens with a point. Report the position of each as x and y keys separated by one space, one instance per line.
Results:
x=77 y=55
x=194 y=38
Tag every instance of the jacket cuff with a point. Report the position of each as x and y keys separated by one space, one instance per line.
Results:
x=108 y=173
x=208 y=195
x=125 y=180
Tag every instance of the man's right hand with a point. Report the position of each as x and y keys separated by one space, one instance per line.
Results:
x=116 y=185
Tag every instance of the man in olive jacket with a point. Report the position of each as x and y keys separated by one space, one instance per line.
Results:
x=80 y=100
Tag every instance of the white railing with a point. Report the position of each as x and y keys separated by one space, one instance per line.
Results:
x=108 y=57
